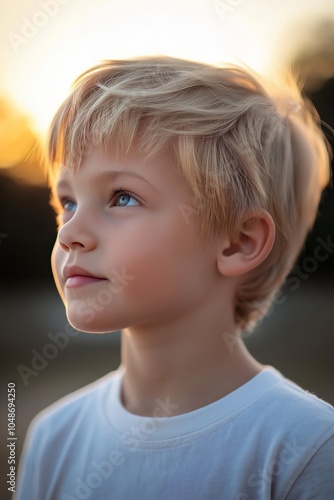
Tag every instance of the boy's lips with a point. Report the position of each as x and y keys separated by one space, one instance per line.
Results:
x=70 y=271
x=77 y=276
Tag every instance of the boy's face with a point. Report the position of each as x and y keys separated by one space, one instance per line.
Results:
x=129 y=229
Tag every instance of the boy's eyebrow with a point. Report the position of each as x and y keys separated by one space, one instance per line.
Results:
x=102 y=177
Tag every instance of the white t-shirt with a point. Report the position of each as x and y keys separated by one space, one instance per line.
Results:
x=269 y=439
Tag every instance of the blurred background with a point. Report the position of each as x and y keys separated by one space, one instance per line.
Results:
x=44 y=45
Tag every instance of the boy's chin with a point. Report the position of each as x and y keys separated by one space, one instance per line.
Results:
x=90 y=332
x=92 y=329
x=89 y=323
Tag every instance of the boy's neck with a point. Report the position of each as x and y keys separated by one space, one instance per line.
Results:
x=190 y=367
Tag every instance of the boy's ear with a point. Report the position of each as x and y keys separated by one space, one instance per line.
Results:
x=255 y=241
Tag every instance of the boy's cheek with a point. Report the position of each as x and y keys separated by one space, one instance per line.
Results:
x=56 y=265
x=53 y=260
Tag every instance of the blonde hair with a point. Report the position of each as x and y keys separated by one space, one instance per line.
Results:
x=240 y=143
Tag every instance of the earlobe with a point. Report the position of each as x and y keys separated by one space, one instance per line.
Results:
x=254 y=244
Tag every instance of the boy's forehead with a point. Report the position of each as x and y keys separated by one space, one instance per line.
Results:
x=62 y=176
x=100 y=167
x=155 y=177
x=104 y=164
x=103 y=176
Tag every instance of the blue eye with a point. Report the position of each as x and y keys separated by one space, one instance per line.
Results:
x=123 y=200
x=65 y=205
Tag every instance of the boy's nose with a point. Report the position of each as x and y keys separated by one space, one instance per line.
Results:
x=72 y=237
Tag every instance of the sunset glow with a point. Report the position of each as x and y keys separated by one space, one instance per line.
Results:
x=49 y=52
x=50 y=42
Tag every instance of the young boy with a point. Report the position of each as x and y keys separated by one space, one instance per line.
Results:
x=184 y=194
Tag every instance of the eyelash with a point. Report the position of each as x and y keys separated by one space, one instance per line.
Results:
x=58 y=203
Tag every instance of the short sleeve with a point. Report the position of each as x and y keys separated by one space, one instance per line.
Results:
x=316 y=482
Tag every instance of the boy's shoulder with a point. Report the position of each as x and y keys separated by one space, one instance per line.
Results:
x=86 y=400
x=287 y=413
x=290 y=396
x=286 y=400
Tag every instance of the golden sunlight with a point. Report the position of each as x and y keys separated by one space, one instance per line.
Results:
x=16 y=137
x=59 y=40
x=50 y=42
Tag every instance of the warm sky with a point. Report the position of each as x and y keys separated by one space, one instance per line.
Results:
x=45 y=44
